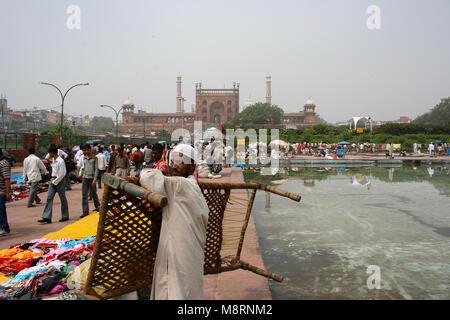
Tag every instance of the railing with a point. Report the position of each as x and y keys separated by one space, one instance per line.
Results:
x=12 y=141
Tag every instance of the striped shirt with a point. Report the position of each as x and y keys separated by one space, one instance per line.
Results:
x=5 y=175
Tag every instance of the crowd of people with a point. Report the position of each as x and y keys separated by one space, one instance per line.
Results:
x=329 y=150
x=63 y=166
x=178 y=270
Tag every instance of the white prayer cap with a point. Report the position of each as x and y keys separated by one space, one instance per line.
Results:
x=187 y=151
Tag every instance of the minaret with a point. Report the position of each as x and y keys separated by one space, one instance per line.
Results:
x=268 y=90
x=179 y=97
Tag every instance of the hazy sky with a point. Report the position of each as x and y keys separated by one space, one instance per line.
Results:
x=311 y=48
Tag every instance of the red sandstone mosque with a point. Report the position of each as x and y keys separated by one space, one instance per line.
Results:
x=212 y=106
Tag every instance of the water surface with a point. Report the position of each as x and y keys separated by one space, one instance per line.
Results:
x=397 y=219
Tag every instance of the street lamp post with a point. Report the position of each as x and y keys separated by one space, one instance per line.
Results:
x=117 y=117
x=63 y=97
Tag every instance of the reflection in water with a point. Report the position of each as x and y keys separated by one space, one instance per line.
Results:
x=353 y=218
x=267 y=199
x=436 y=175
x=391 y=174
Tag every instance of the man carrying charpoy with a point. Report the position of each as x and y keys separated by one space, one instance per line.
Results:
x=178 y=271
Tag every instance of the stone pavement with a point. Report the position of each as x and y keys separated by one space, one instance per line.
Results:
x=232 y=285
x=239 y=284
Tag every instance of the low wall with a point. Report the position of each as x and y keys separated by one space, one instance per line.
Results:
x=19 y=154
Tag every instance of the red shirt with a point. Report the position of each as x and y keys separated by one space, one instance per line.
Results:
x=161 y=165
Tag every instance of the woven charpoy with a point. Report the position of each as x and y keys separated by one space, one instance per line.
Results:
x=130 y=223
x=126 y=243
x=217 y=199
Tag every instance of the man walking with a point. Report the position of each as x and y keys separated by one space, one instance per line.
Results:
x=121 y=164
x=431 y=149
x=90 y=177
x=137 y=157
x=112 y=158
x=102 y=165
x=147 y=155
x=33 y=169
x=5 y=193
x=57 y=185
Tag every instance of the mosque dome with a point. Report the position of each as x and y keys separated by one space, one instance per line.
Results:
x=128 y=103
x=309 y=102
x=247 y=103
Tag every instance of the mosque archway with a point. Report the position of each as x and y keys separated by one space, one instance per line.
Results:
x=217 y=109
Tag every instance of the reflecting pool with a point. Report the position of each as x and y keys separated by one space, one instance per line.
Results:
x=352 y=223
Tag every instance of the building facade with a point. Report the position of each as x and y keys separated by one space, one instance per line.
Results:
x=303 y=119
x=212 y=107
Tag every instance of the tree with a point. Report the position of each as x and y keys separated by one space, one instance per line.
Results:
x=164 y=135
x=102 y=124
x=320 y=120
x=228 y=125
x=56 y=130
x=440 y=114
x=259 y=113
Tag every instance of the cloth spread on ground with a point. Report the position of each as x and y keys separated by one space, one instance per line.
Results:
x=38 y=267
x=86 y=227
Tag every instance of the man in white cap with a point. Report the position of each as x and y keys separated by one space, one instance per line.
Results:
x=178 y=272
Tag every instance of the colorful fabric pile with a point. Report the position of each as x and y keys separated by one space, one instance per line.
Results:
x=38 y=268
x=21 y=190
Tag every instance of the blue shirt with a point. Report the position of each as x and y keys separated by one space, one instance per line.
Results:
x=106 y=153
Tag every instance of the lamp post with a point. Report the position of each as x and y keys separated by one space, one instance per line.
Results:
x=117 y=116
x=63 y=97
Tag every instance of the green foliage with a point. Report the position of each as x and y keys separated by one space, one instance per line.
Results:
x=290 y=135
x=228 y=125
x=397 y=129
x=319 y=120
x=259 y=113
x=345 y=136
x=249 y=126
x=56 y=130
x=164 y=135
x=320 y=129
x=440 y=114
x=308 y=135
x=102 y=124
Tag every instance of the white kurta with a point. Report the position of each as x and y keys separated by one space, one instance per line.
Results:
x=178 y=273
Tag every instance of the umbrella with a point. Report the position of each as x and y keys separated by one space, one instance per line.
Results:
x=343 y=143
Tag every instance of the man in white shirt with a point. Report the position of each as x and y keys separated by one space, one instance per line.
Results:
x=33 y=169
x=102 y=166
x=57 y=185
x=61 y=153
x=431 y=149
